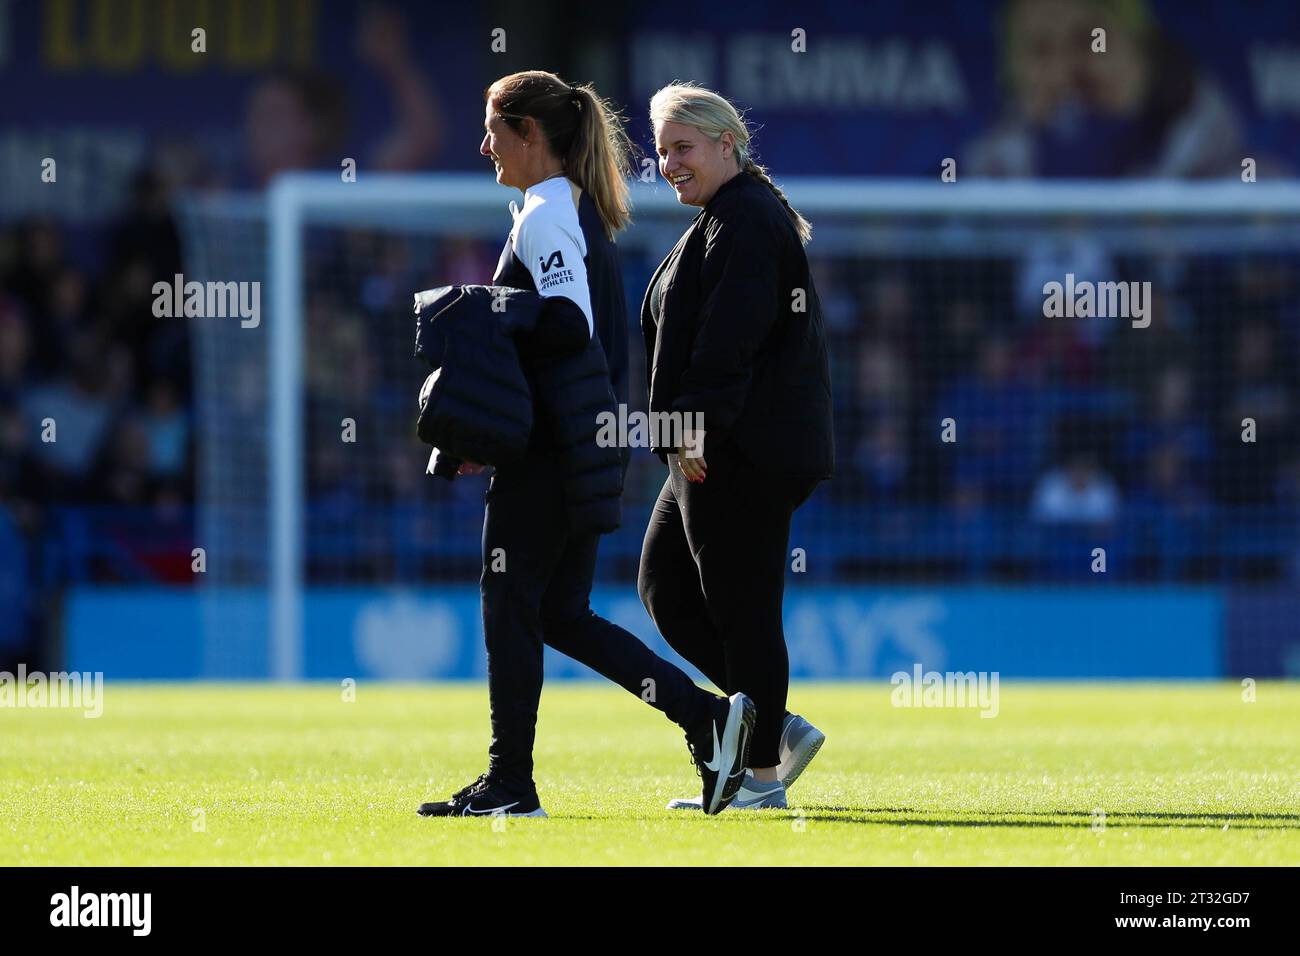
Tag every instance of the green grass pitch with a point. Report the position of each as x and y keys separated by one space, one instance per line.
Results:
x=1186 y=774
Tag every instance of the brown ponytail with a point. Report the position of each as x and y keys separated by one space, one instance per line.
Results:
x=583 y=130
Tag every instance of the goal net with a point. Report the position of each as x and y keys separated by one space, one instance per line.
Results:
x=1029 y=378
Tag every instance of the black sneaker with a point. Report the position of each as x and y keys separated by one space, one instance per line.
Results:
x=485 y=797
x=720 y=749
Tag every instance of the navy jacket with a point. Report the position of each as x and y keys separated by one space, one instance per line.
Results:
x=508 y=362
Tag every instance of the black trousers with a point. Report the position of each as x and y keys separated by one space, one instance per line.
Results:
x=713 y=577
x=541 y=597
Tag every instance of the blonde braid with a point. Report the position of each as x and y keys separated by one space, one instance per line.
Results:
x=801 y=225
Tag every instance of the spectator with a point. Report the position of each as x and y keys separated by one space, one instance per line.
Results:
x=1138 y=359
x=79 y=409
x=1248 y=470
x=167 y=431
x=145 y=248
x=881 y=457
x=127 y=478
x=1170 y=488
x=39 y=262
x=19 y=483
x=1077 y=492
x=996 y=417
x=1170 y=423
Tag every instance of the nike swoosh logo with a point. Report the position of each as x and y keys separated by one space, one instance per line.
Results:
x=716 y=764
x=469 y=810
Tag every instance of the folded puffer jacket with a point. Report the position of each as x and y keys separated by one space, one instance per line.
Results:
x=485 y=344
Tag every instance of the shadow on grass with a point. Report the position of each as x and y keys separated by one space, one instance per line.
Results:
x=1156 y=819
x=903 y=816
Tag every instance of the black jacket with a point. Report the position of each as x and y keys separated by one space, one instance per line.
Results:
x=733 y=331
x=485 y=344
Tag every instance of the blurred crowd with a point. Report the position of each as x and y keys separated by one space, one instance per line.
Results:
x=956 y=400
x=94 y=390
x=1071 y=418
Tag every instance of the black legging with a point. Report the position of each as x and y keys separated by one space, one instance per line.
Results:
x=541 y=596
x=713 y=576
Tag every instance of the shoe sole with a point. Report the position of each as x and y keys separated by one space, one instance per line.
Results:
x=687 y=804
x=803 y=755
x=539 y=812
x=753 y=809
x=736 y=736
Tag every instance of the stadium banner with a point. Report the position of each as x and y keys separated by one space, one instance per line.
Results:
x=879 y=89
x=834 y=633
x=1260 y=632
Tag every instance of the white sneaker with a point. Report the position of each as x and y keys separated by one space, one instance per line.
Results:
x=800 y=742
x=752 y=795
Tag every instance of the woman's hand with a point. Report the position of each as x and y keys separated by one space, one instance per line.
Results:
x=690 y=457
x=470 y=468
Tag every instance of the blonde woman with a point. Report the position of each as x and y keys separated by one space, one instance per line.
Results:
x=734 y=341
x=566 y=150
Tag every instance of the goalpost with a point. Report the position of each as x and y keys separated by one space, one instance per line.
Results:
x=253 y=462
